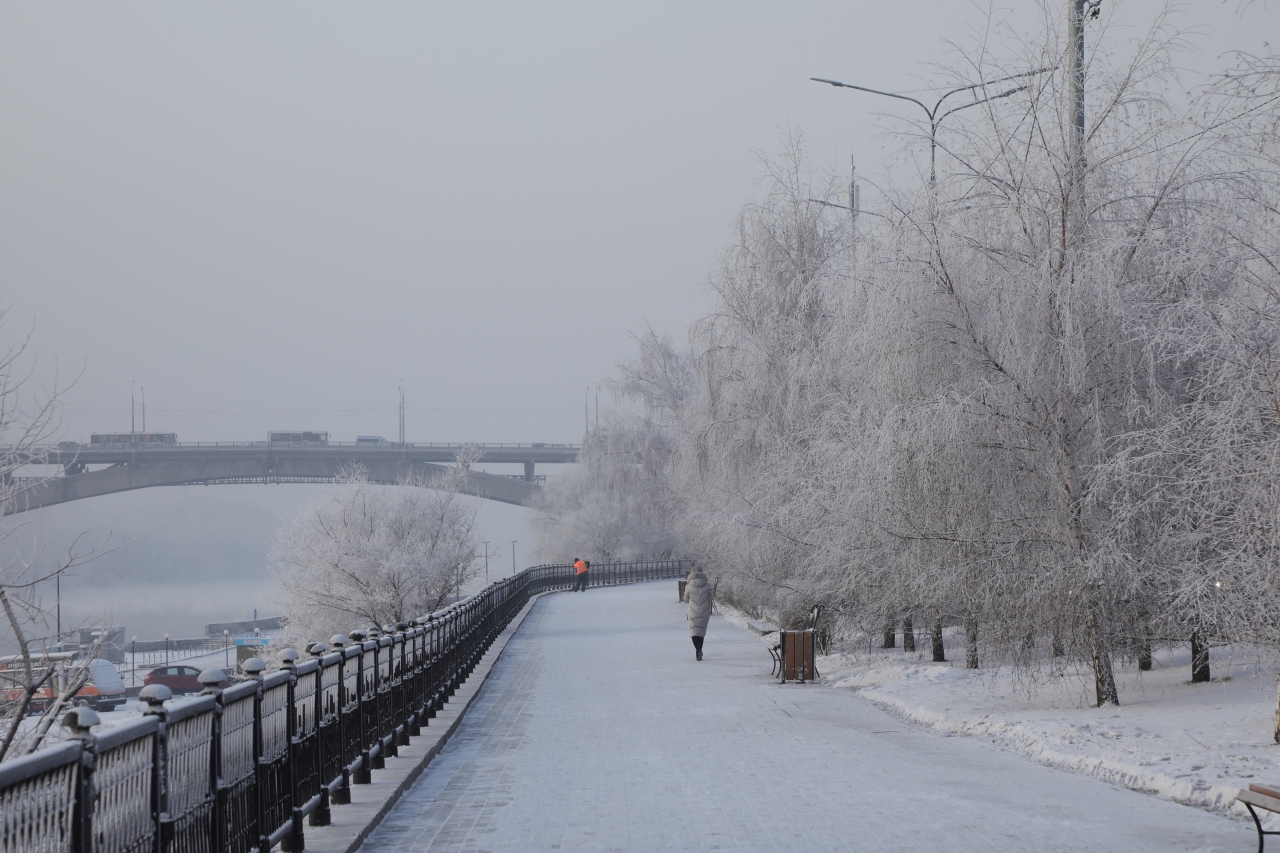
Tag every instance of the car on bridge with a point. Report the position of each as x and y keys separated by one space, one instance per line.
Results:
x=151 y=439
x=297 y=437
x=368 y=440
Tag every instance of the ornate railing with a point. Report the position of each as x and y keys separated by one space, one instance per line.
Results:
x=243 y=769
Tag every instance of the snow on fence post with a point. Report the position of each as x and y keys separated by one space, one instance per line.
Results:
x=303 y=746
x=327 y=745
x=79 y=721
x=360 y=736
x=154 y=696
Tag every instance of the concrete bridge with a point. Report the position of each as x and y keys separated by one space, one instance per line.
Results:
x=140 y=466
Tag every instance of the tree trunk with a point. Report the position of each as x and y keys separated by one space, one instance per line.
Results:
x=1104 y=680
x=935 y=634
x=890 y=638
x=1199 y=659
x=971 y=644
x=1277 y=732
x=908 y=634
x=1057 y=639
x=1144 y=643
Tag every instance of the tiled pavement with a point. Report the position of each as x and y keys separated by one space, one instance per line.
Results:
x=597 y=731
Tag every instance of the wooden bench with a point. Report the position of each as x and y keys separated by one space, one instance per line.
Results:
x=778 y=647
x=1261 y=797
x=775 y=651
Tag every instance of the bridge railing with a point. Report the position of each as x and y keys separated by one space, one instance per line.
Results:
x=65 y=447
x=245 y=768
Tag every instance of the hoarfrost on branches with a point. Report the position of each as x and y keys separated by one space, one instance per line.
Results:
x=1038 y=397
x=376 y=555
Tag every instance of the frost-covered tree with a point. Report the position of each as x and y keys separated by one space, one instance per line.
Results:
x=1033 y=397
x=614 y=505
x=369 y=554
x=1204 y=513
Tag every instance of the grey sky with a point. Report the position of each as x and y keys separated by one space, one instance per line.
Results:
x=268 y=215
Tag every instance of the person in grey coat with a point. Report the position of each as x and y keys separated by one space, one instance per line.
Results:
x=698 y=593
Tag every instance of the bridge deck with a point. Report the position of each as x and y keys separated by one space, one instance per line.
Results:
x=598 y=731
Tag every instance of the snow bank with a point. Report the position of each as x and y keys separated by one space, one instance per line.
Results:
x=1194 y=744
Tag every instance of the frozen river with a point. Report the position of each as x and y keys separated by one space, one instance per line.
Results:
x=597 y=731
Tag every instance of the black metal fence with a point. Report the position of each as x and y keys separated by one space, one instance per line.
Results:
x=245 y=768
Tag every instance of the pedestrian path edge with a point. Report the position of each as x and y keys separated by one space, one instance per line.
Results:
x=351 y=824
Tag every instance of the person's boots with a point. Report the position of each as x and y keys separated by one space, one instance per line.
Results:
x=699 y=654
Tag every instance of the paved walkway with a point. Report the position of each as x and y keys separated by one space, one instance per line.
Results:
x=597 y=731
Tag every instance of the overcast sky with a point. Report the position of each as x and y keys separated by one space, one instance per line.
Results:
x=268 y=215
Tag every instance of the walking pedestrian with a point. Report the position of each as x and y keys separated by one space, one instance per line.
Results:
x=698 y=592
x=581 y=567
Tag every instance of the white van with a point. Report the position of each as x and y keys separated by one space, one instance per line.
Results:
x=103 y=691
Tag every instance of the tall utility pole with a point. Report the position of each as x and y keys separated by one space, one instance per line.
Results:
x=401 y=412
x=144 y=408
x=855 y=192
x=1075 y=38
x=486 y=562
x=513 y=557
x=133 y=417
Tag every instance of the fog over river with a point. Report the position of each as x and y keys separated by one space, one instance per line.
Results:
x=187 y=555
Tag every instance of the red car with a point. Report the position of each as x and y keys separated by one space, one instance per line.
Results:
x=178 y=678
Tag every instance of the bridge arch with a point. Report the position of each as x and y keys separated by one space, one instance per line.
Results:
x=135 y=467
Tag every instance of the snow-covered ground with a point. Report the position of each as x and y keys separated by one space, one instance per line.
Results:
x=598 y=731
x=1196 y=744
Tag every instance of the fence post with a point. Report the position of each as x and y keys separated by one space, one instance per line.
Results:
x=321 y=816
x=379 y=761
x=401 y=693
x=253 y=668
x=413 y=697
x=362 y=776
x=342 y=796
x=155 y=695
x=79 y=721
x=387 y=740
x=295 y=842
x=212 y=680
x=432 y=669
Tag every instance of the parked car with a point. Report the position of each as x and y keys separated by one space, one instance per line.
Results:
x=103 y=691
x=179 y=678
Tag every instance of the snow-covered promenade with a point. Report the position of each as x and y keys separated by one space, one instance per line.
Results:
x=598 y=731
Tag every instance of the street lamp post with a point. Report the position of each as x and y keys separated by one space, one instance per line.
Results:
x=166 y=649
x=134 y=662
x=934 y=117
x=226 y=647
x=513 y=556
x=486 y=562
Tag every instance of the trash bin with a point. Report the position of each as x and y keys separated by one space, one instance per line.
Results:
x=797 y=653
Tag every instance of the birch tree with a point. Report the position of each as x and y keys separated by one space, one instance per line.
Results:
x=369 y=554
x=29 y=423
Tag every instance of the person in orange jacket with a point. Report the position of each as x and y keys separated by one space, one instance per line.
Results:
x=581 y=567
